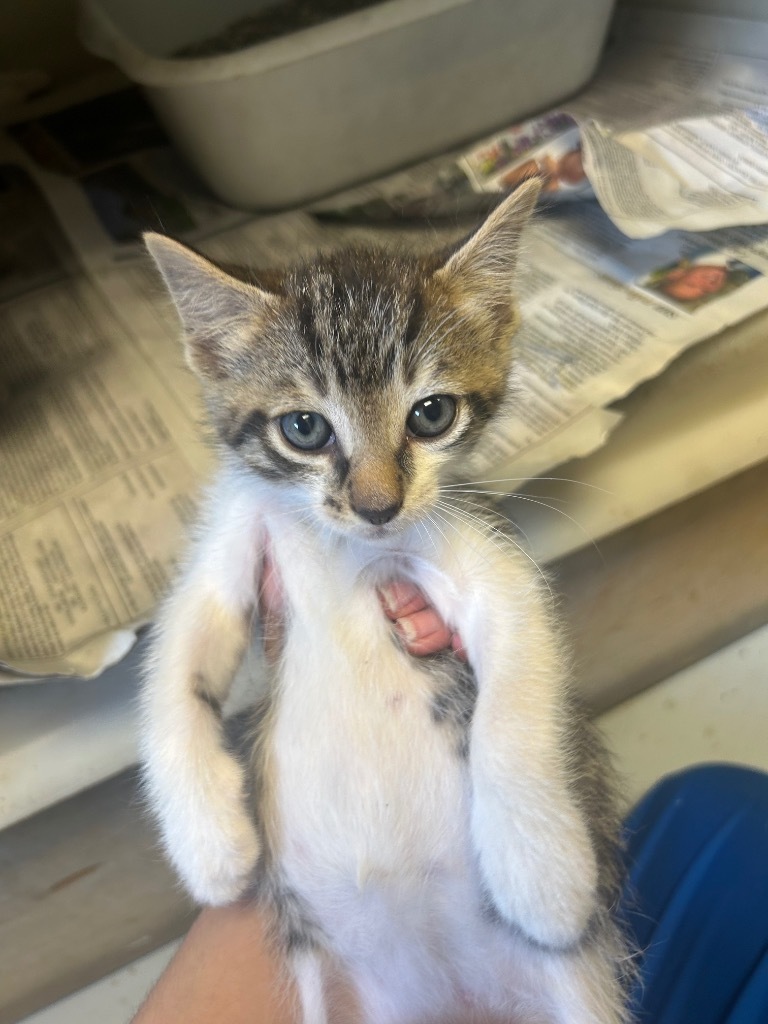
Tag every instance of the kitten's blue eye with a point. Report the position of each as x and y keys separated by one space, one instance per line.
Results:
x=306 y=430
x=432 y=416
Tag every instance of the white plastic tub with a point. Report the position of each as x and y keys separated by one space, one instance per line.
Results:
x=300 y=116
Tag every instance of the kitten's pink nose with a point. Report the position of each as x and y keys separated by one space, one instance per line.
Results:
x=378 y=516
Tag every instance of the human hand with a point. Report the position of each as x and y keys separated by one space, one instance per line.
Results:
x=418 y=624
x=416 y=621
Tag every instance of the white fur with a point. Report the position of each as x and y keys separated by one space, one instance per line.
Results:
x=379 y=827
x=196 y=786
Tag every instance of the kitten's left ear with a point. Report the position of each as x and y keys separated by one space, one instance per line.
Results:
x=485 y=264
x=219 y=313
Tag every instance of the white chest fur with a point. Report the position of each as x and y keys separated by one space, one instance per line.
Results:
x=369 y=776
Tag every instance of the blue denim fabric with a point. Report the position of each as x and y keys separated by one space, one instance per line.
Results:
x=697 y=902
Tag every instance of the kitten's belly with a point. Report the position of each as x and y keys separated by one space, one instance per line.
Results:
x=369 y=804
x=369 y=784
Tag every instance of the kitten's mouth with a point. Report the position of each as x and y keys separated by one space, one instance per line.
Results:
x=384 y=530
x=372 y=531
x=360 y=529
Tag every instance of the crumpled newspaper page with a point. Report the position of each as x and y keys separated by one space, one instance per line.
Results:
x=102 y=451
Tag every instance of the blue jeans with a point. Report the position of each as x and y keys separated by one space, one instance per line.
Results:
x=697 y=901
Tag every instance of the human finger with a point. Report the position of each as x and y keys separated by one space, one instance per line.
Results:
x=401 y=598
x=424 y=632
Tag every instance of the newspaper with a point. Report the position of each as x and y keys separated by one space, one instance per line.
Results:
x=684 y=148
x=602 y=312
x=101 y=448
x=102 y=452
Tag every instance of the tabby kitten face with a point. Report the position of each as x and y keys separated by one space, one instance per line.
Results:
x=355 y=379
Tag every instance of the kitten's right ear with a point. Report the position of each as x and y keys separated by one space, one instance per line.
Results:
x=483 y=268
x=219 y=313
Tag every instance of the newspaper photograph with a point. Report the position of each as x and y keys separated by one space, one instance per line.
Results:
x=547 y=147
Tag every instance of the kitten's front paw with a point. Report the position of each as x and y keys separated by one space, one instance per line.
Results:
x=541 y=874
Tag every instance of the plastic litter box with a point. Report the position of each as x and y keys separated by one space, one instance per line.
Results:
x=290 y=119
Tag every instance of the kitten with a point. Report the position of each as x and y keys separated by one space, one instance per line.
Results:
x=446 y=834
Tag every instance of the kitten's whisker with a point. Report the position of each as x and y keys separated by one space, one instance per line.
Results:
x=487 y=531
x=516 y=526
x=474 y=522
x=437 y=527
x=527 y=479
x=582 y=529
x=535 y=500
x=488 y=527
x=455 y=529
x=483 y=529
x=293 y=510
x=469 y=518
x=450 y=492
x=424 y=532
